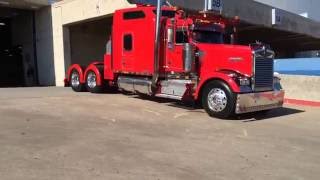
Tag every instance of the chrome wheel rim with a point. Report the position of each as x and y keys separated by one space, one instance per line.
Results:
x=217 y=100
x=75 y=79
x=92 y=80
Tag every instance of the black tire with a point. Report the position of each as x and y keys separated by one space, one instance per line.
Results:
x=91 y=83
x=223 y=100
x=75 y=83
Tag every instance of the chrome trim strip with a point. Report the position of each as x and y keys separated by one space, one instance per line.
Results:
x=235 y=59
x=253 y=79
x=169 y=96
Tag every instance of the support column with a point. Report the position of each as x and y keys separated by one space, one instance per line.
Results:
x=58 y=45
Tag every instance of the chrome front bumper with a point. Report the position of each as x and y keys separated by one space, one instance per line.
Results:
x=259 y=101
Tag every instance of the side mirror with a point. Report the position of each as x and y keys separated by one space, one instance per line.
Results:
x=170 y=38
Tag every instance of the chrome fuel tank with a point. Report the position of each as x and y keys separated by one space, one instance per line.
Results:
x=135 y=84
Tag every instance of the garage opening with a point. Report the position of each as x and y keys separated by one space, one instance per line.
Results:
x=11 y=66
x=88 y=41
x=17 y=60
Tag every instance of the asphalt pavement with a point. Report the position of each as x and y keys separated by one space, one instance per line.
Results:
x=56 y=134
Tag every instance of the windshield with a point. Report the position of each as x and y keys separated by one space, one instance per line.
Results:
x=208 y=37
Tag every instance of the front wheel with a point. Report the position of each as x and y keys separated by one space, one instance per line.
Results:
x=218 y=100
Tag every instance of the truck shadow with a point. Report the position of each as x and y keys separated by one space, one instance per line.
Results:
x=189 y=105
x=259 y=116
x=248 y=117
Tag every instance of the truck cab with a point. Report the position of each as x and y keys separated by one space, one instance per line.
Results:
x=195 y=59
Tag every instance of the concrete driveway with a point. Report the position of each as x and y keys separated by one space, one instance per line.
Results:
x=55 y=134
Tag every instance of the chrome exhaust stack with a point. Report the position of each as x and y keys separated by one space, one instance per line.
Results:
x=157 y=44
x=188 y=57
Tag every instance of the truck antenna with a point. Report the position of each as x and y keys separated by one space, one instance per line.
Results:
x=169 y=4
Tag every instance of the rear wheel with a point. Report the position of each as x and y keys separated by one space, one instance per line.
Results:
x=218 y=100
x=76 y=85
x=91 y=83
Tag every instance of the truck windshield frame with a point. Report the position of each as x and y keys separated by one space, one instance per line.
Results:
x=210 y=37
x=167 y=13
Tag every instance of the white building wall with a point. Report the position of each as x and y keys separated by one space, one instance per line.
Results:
x=71 y=11
x=308 y=7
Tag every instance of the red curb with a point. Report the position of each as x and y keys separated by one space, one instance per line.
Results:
x=302 y=102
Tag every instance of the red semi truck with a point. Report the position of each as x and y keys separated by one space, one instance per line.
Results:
x=172 y=54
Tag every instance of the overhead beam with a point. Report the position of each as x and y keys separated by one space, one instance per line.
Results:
x=254 y=13
x=25 y=4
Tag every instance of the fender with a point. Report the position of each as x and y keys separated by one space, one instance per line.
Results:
x=97 y=63
x=79 y=69
x=98 y=71
x=216 y=76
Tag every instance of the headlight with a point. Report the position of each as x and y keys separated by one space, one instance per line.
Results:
x=243 y=81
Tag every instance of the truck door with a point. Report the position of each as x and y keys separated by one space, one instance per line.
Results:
x=127 y=60
x=174 y=54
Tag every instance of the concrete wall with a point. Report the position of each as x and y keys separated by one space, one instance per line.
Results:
x=301 y=87
x=70 y=11
x=45 y=55
x=88 y=40
x=310 y=7
x=22 y=34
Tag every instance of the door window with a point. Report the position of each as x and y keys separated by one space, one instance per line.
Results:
x=127 y=42
x=181 y=36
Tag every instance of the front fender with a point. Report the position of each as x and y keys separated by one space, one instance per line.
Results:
x=216 y=76
x=93 y=67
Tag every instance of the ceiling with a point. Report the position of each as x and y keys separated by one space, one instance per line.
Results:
x=9 y=12
x=25 y=4
x=285 y=43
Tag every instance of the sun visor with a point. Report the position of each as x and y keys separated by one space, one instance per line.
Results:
x=149 y=2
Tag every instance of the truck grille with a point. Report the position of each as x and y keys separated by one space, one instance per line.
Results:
x=263 y=67
x=263 y=74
